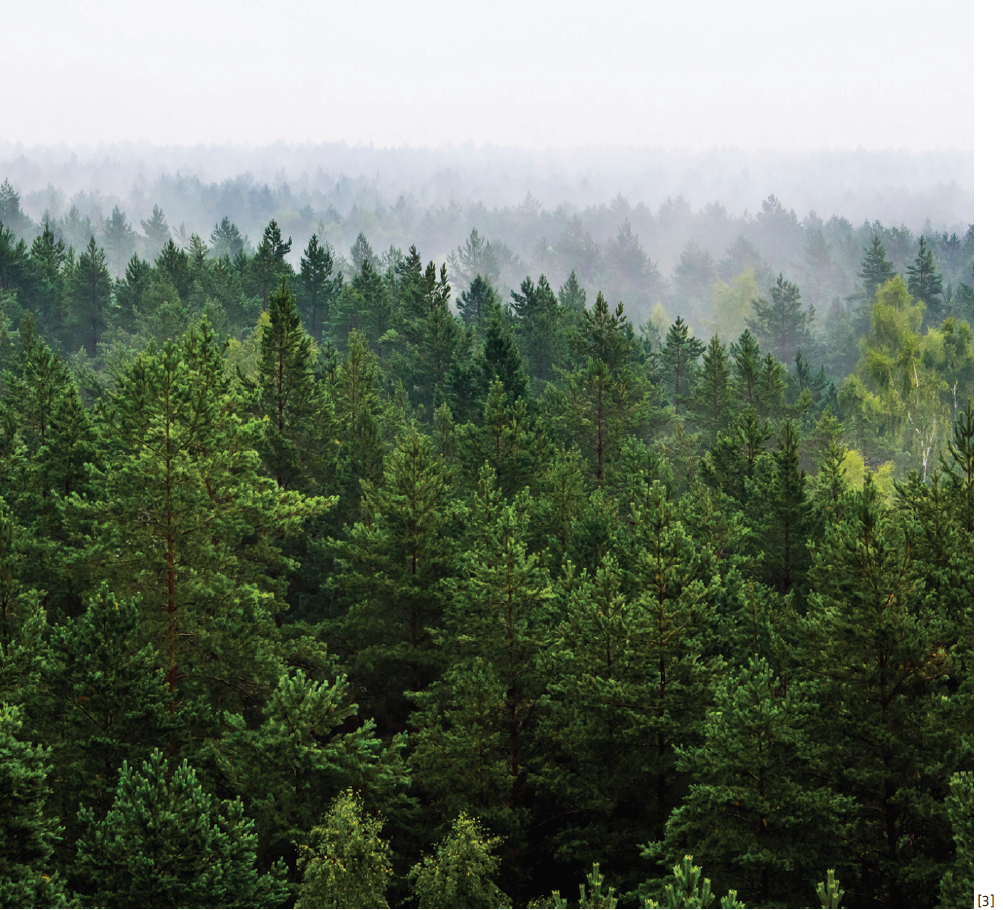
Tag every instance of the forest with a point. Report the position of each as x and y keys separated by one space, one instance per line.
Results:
x=462 y=557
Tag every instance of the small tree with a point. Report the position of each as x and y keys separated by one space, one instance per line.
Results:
x=459 y=873
x=165 y=843
x=346 y=863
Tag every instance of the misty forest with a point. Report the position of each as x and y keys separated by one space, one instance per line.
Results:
x=372 y=550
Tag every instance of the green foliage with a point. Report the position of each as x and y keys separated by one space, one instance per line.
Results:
x=687 y=888
x=460 y=873
x=829 y=892
x=182 y=518
x=345 y=863
x=166 y=842
x=958 y=883
x=27 y=832
x=301 y=754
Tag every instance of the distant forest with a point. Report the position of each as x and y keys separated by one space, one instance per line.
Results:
x=468 y=557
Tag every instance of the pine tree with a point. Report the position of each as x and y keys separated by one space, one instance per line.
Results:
x=780 y=516
x=477 y=302
x=537 y=329
x=389 y=572
x=713 y=396
x=101 y=701
x=301 y=754
x=758 y=794
x=89 y=296
x=157 y=232
x=182 y=518
x=27 y=833
x=483 y=713
x=316 y=269
x=925 y=283
x=892 y=733
x=875 y=269
x=782 y=323
x=172 y=263
x=269 y=264
x=297 y=420
x=164 y=843
x=572 y=295
x=679 y=357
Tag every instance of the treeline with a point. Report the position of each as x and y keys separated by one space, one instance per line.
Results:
x=704 y=264
x=400 y=595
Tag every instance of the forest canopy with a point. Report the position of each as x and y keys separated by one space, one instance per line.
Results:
x=465 y=557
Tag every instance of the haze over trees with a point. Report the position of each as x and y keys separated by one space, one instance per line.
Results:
x=446 y=556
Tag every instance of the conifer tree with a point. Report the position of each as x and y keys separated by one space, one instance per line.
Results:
x=165 y=842
x=300 y=755
x=475 y=740
x=781 y=519
x=875 y=269
x=172 y=263
x=539 y=320
x=758 y=795
x=892 y=733
x=269 y=264
x=101 y=702
x=182 y=517
x=27 y=833
x=316 y=269
x=781 y=322
x=298 y=421
x=89 y=296
x=713 y=395
x=477 y=302
x=156 y=233
x=925 y=283
x=388 y=579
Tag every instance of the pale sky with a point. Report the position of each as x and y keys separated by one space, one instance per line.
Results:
x=782 y=74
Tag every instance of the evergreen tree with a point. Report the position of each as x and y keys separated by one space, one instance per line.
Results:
x=119 y=240
x=298 y=421
x=157 y=232
x=758 y=796
x=165 y=842
x=608 y=398
x=679 y=357
x=46 y=292
x=713 y=396
x=182 y=518
x=389 y=572
x=172 y=263
x=781 y=323
x=89 y=296
x=477 y=302
x=892 y=733
x=925 y=283
x=27 y=835
x=225 y=239
x=572 y=295
x=269 y=264
x=875 y=269
x=101 y=701
x=316 y=268
x=301 y=754
x=780 y=517
x=539 y=320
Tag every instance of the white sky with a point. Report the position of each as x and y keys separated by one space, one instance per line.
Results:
x=787 y=74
